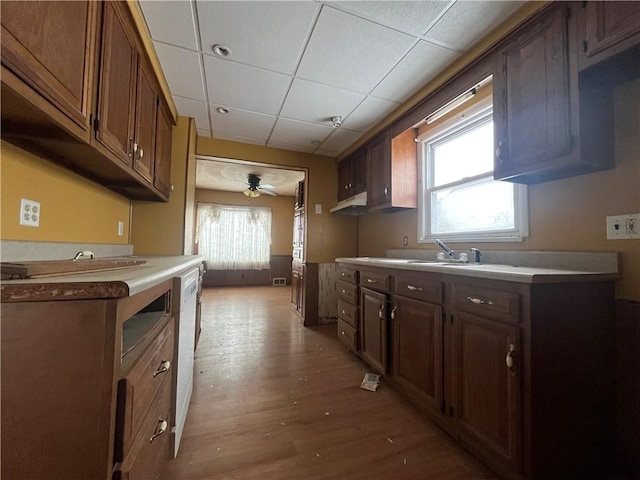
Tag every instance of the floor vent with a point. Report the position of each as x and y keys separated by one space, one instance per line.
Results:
x=279 y=281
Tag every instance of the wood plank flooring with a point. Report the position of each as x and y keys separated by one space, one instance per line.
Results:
x=275 y=400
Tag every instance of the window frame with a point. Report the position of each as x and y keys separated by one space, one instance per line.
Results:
x=461 y=122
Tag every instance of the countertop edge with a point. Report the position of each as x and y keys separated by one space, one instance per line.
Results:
x=530 y=275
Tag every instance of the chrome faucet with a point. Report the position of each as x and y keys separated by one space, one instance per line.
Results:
x=477 y=254
x=450 y=253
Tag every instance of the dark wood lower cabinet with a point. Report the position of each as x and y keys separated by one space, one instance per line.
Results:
x=486 y=390
x=373 y=329
x=417 y=350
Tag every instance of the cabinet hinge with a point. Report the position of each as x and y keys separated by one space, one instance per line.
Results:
x=585 y=46
x=96 y=123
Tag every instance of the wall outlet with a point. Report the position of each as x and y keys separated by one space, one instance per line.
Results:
x=29 y=213
x=405 y=241
x=623 y=227
x=120 y=228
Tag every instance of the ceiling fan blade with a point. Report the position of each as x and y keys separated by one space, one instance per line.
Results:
x=267 y=191
x=266 y=185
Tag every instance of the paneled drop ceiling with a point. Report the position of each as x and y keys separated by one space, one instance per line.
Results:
x=296 y=64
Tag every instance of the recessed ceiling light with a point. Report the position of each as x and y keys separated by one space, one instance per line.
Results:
x=221 y=50
x=222 y=110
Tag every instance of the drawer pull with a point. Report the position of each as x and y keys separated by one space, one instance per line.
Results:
x=393 y=313
x=342 y=333
x=414 y=288
x=479 y=301
x=344 y=291
x=161 y=427
x=369 y=280
x=343 y=312
x=164 y=366
x=509 y=359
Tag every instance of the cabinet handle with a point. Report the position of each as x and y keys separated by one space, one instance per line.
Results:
x=381 y=312
x=133 y=146
x=393 y=313
x=346 y=187
x=369 y=280
x=386 y=192
x=509 y=359
x=412 y=288
x=343 y=312
x=499 y=152
x=140 y=153
x=479 y=301
x=161 y=427
x=164 y=366
x=342 y=333
x=344 y=291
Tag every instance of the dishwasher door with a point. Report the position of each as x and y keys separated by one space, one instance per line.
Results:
x=185 y=298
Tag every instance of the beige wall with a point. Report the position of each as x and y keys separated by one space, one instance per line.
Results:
x=281 y=214
x=158 y=228
x=564 y=215
x=73 y=209
x=328 y=235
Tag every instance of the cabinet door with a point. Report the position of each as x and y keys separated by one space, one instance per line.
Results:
x=373 y=329
x=609 y=23
x=145 y=124
x=344 y=177
x=417 y=350
x=379 y=181
x=51 y=47
x=531 y=99
x=117 y=90
x=162 y=169
x=358 y=172
x=487 y=388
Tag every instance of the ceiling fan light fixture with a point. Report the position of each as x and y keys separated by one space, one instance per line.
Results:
x=221 y=50
x=251 y=192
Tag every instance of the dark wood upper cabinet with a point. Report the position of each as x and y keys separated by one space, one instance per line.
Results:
x=34 y=36
x=352 y=174
x=550 y=122
x=162 y=170
x=145 y=124
x=117 y=91
x=610 y=27
x=393 y=172
x=78 y=88
x=532 y=106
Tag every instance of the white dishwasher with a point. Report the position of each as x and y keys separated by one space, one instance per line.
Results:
x=184 y=311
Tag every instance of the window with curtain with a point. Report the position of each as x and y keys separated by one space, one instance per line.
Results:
x=234 y=237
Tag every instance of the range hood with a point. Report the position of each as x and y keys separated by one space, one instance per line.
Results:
x=356 y=205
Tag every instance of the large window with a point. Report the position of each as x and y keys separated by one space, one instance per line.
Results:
x=460 y=200
x=234 y=237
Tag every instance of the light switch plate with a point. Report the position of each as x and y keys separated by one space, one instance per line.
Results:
x=623 y=227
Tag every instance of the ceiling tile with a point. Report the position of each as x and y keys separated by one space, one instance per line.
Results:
x=368 y=113
x=182 y=70
x=421 y=64
x=317 y=103
x=248 y=88
x=409 y=17
x=242 y=123
x=265 y=34
x=295 y=148
x=171 y=22
x=194 y=109
x=292 y=132
x=351 y=53
x=339 y=140
x=469 y=20
x=238 y=138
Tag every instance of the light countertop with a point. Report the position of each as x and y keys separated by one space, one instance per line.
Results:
x=106 y=284
x=513 y=273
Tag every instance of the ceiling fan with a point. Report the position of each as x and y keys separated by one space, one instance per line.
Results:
x=255 y=189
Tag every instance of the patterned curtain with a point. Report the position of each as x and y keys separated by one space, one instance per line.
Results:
x=234 y=237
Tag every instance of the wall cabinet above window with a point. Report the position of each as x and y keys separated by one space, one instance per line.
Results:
x=80 y=91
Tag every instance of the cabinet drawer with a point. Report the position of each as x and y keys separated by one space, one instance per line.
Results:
x=375 y=280
x=151 y=446
x=487 y=302
x=348 y=292
x=136 y=392
x=348 y=275
x=347 y=335
x=418 y=287
x=348 y=313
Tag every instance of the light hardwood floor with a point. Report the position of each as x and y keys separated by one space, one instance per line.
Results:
x=275 y=400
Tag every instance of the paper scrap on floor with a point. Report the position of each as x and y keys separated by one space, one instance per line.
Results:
x=371 y=381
